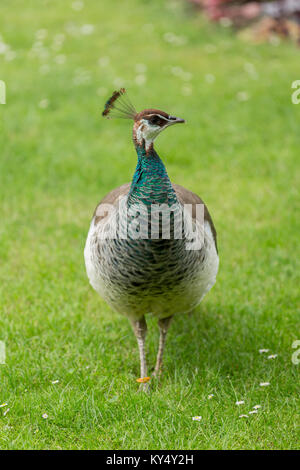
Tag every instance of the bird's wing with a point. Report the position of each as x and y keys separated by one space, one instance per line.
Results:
x=188 y=197
x=111 y=198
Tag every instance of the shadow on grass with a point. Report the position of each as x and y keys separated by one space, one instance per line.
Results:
x=207 y=342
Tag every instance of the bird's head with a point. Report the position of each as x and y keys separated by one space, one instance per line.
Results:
x=151 y=122
x=147 y=123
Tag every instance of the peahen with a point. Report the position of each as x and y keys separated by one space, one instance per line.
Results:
x=133 y=261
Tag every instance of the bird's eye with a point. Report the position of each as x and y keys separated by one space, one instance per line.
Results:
x=154 y=120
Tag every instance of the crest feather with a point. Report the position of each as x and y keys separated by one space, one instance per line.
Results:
x=119 y=106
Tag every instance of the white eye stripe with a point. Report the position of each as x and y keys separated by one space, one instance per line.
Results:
x=160 y=116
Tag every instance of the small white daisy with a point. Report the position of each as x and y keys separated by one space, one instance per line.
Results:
x=140 y=79
x=10 y=55
x=243 y=416
x=3 y=47
x=3 y=404
x=242 y=96
x=104 y=61
x=118 y=82
x=241 y=402
x=60 y=59
x=256 y=407
x=141 y=68
x=186 y=90
x=264 y=384
x=6 y=411
x=186 y=76
x=43 y=104
x=44 y=69
x=55 y=382
x=250 y=69
x=253 y=412
x=272 y=356
x=226 y=22
x=87 y=29
x=78 y=5
x=210 y=78
x=261 y=351
x=210 y=396
x=41 y=34
x=148 y=28
x=45 y=416
x=210 y=48
x=59 y=38
x=196 y=418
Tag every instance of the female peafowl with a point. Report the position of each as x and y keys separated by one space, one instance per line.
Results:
x=151 y=247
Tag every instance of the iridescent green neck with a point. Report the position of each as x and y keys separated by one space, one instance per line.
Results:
x=151 y=183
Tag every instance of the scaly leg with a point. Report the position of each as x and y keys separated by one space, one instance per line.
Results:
x=163 y=329
x=140 y=331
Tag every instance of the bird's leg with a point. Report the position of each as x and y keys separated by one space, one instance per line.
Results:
x=140 y=331
x=163 y=329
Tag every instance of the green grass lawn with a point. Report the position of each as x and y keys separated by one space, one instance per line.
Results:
x=239 y=151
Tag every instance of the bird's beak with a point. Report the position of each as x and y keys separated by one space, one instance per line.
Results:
x=175 y=120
